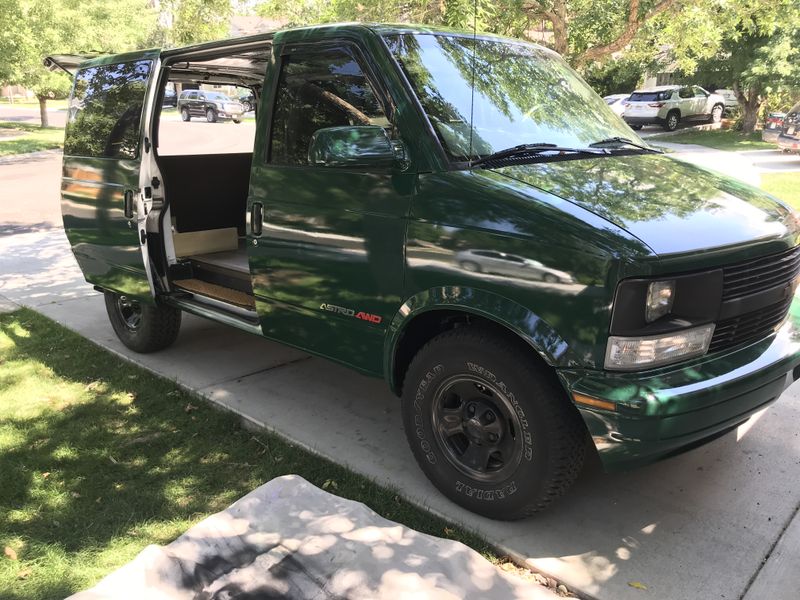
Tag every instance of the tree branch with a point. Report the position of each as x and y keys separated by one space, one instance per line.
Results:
x=634 y=23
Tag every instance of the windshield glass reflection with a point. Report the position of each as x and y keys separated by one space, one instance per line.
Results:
x=523 y=94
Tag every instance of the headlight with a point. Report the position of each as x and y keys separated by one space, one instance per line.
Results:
x=660 y=296
x=655 y=350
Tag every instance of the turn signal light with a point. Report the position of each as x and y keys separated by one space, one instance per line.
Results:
x=593 y=402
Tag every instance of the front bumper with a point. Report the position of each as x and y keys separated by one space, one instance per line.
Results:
x=669 y=410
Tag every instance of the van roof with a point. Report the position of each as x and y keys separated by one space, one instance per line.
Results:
x=71 y=63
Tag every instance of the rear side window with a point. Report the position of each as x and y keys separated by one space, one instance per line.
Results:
x=650 y=96
x=316 y=91
x=105 y=110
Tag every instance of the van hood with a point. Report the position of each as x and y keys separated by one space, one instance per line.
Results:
x=671 y=206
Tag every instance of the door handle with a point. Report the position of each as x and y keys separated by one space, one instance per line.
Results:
x=256 y=218
x=127 y=203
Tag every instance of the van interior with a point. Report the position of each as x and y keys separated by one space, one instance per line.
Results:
x=205 y=168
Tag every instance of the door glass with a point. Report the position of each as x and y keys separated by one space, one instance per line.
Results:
x=317 y=91
x=231 y=131
x=106 y=109
x=686 y=93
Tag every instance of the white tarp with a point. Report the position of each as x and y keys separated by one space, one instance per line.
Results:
x=289 y=539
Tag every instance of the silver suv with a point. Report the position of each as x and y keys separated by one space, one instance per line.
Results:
x=668 y=105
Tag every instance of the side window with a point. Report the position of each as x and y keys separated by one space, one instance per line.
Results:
x=315 y=91
x=699 y=93
x=106 y=109
x=686 y=93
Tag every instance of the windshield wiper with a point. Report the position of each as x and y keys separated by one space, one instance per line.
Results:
x=625 y=141
x=534 y=150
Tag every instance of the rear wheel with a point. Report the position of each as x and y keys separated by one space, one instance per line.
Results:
x=636 y=127
x=142 y=327
x=673 y=118
x=716 y=114
x=211 y=115
x=489 y=426
x=237 y=120
x=185 y=116
x=246 y=106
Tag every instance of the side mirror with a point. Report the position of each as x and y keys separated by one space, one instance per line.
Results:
x=353 y=146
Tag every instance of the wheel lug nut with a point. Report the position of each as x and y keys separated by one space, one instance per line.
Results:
x=492 y=437
x=471 y=409
x=489 y=416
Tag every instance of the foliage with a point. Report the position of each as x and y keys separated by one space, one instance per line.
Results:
x=99 y=458
x=36 y=28
x=194 y=21
x=759 y=53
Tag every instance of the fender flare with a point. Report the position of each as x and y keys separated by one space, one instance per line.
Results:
x=526 y=324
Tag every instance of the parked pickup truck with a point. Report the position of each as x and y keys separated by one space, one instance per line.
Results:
x=385 y=155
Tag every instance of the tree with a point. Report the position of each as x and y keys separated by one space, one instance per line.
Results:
x=36 y=28
x=759 y=54
x=194 y=21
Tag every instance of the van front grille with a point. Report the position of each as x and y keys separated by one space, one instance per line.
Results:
x=751 y=277
x=748 y=327
x=759 y=274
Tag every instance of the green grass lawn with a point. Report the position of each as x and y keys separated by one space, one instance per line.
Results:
x=32 y=138
x=99 y=458
x=785 y=186
x=721 y=139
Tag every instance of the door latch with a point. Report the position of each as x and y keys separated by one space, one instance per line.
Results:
x=127 y=204
x=256 y=218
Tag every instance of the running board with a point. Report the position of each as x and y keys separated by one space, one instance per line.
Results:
x=217 y=314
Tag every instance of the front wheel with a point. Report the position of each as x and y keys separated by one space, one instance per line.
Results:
x=237 y=121
x=142 y=327
x=636 y=127
x=489 y=426
x=185 y=116
x=716 y=114
x=671 y=124
x=211 y=115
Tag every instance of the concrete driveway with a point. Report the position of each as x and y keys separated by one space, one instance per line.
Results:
x=718 y=522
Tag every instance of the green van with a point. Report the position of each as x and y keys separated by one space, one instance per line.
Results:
x=461 y=215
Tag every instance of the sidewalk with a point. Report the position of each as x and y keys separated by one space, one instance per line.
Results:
x=718 y=522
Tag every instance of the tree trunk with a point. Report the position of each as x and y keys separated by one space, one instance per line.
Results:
x=750 y=100
x=43 y=111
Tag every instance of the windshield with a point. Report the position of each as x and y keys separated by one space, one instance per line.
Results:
x=523 y=94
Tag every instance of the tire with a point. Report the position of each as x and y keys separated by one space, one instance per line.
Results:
x=185 y=116
x=636 y=127
x=550 y=278
x=211 y=115
x=514 y=442
x=716 y=113
x=246 y=106
x=672 y=121
x=237 y=121
x=142 y=327
x=470 y=266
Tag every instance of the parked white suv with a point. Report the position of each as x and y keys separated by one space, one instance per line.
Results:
x=668 y=105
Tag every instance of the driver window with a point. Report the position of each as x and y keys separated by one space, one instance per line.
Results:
x=315 y=91
x=699 y=93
